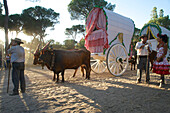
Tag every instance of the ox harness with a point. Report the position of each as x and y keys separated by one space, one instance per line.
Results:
x=52 y=62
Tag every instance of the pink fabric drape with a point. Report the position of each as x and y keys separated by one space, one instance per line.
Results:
x=97 y=40
x=91 y=20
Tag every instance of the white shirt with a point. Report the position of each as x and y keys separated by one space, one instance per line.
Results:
x=143 y=51
x=17 y=53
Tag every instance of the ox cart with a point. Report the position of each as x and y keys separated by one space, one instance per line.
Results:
x=108 y=39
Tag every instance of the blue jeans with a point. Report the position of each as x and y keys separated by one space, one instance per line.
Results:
x=18 y=76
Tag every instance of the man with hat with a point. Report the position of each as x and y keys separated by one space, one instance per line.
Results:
x=143 y=47
x=17 y=59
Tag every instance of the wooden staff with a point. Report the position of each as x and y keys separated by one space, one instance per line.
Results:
x=9 y=71
x=9 y=68
x=147 y=64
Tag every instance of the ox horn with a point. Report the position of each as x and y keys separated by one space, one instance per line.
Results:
x=37 y=49
x=45 y=47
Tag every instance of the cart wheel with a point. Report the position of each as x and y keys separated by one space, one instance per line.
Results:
x=117 y=59
x=98 y=66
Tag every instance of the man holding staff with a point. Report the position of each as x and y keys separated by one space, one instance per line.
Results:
x=143 y=47
x=17 y=59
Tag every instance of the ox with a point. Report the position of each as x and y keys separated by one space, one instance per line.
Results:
x=59 y=60
x=132 y=61
x=36 y=61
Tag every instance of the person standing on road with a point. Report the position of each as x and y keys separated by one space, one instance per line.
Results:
x=161 y=65
x=17 y=59
x=143 y=47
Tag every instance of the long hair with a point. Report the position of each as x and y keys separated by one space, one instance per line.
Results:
x=163 y=37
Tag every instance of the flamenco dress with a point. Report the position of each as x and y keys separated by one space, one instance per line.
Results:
x=163 y=66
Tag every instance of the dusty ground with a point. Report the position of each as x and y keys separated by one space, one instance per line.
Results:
x=102 y=93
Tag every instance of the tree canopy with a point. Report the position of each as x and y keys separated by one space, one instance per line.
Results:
x=37 y=19
x=0 y=8
x=69 y=44
x=74 y=30
x=15 y=23
x=2 y=21
x=79 y=9
x=162 y=20
x=161 y=13
x=154 y=13
x=80 y=44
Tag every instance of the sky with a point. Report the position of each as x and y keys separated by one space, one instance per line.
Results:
x=138 y=10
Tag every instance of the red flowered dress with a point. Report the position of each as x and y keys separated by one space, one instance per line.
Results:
x=162 y=67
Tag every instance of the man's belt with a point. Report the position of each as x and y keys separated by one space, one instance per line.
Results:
x=17 y=62
x=142 y=56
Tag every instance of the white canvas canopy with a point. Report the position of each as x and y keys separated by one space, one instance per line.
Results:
x=105 y=28
x=154 y=29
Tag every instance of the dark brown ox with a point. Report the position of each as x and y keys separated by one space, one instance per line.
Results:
x=132 y=61
x=59 y=60
x=36 y=61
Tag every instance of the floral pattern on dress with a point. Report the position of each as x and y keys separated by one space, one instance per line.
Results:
x=162 y=67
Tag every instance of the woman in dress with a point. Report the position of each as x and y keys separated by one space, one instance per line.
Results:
x=161 y=65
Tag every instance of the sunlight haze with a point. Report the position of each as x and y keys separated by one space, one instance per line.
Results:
x=138 y=10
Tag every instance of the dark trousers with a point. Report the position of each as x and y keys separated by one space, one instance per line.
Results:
x=142 y=64
x=18 y=76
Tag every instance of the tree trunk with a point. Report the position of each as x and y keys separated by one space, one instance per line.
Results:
x=42 y=40
x=6 y=25
x=30 y=52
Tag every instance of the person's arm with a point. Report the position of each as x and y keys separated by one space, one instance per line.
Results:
x=149 y=47
x=9 y=49
x=139 y=46
x=142 y=46
x=8 y=46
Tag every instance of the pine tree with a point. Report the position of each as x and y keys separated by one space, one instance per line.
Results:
x=154 y=13
x=161 y=13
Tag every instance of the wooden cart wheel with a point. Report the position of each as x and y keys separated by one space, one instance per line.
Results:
x=117 y=59
x=98 y=66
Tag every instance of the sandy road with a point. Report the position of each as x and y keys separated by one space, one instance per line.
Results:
x=102 y=93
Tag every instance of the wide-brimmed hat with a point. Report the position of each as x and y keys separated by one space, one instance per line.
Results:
x=142 y=36
x=17 y=40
